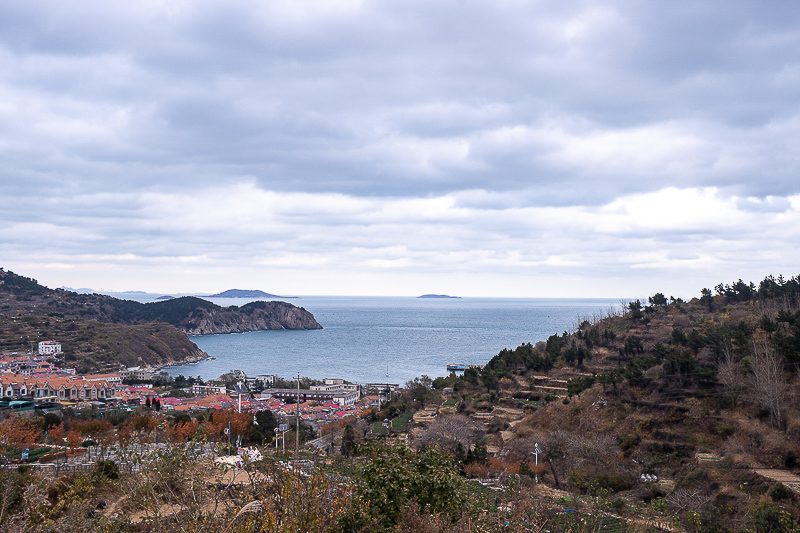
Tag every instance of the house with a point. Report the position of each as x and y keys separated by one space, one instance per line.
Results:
x=336 y=385
x=15 y=389
x=205 y=390
x=136 y=373
x=261 y=381
x=49 y=348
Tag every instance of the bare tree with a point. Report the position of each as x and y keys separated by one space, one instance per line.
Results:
x=729 y=372
x=683 y=499
x=556 y=447
x=768 y=381
x=449 y=431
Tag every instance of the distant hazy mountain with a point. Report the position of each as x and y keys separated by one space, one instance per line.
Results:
x=239 y=293
x=438 y=296
x=80 y=291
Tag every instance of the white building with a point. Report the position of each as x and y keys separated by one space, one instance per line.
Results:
x=137 y=373
x=332 y=385
x=49 y=348
x=205 y=390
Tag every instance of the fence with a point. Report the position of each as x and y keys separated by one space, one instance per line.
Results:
x=53 y=469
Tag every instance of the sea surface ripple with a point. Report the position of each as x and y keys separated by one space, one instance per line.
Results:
x=365 y=338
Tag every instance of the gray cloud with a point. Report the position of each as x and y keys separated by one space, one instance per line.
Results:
x=494 y=109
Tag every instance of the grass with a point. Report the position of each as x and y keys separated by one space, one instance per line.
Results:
x=402 y=422
x=399 y=424
x=450 y=403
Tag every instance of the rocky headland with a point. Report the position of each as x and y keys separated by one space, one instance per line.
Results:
x=99 y=331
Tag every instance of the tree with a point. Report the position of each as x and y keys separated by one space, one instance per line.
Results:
x=57 y=434
x=348 y=441
x=729 y=372
x=19 y=432
x=420 y=389
x=264 y=427
x=397 y=476
x=74 y=439
x=658 y=299
x=451 y=431
x=707 y=298
x=183 y=430
x=471 y=376
x=489 y=379
x=635 y=307
x=767 y=380
x=478 y=454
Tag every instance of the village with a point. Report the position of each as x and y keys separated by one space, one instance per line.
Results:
x=35 y=381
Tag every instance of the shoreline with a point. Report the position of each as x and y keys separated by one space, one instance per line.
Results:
x=188 y=361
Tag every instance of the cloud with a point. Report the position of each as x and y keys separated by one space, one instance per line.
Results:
x=275 y=235
x=512 y=138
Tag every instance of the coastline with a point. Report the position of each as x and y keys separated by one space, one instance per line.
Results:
x=187 y=361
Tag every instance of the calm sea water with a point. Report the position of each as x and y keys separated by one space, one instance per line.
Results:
x=365 y=338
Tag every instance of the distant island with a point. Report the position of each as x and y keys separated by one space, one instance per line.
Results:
x=165 y=297
x=439 y=296
x=239 y=293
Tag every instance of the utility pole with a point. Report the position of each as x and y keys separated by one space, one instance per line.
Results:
x=297 y=433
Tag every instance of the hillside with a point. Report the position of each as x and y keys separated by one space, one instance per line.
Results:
x=703 y=395
x=99 y=332
x=193 y=316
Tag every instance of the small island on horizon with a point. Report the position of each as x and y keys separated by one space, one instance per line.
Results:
x=439 y=296
x=242 y=293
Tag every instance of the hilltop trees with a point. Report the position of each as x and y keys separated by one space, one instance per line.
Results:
x=420 y=389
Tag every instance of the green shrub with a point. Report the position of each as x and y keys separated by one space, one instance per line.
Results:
x=589 y=482
x=724 y=429
x=628 y=442
x=780 y=492
x=106 y=470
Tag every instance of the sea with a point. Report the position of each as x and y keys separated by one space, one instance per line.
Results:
x=388 y=339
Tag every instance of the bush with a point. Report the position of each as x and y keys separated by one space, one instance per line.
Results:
x=628 y=442
x=790 y=460
x=724 y=429
x=780 y=492
x=106 y=470
x=586 y=481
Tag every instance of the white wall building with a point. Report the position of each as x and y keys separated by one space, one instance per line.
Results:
x=49 y=348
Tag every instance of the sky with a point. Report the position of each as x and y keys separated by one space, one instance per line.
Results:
x=538 y=148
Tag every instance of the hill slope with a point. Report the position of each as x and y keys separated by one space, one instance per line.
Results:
x=100 y=332
x=703 y=394
x=191 y=315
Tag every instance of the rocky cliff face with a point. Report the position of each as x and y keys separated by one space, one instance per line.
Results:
x=256 y=316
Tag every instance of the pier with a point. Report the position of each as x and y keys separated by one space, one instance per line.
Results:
x=460 y=367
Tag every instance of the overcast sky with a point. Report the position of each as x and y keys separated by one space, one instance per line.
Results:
x=400 y=147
